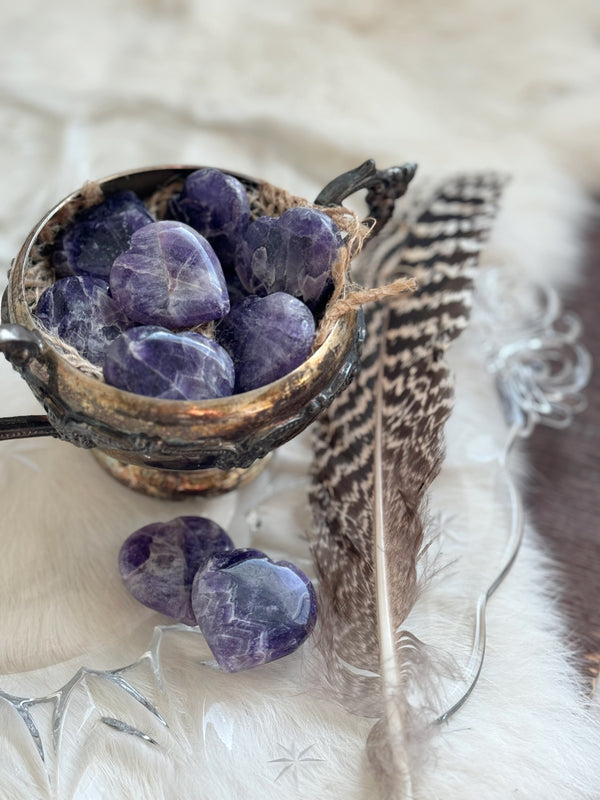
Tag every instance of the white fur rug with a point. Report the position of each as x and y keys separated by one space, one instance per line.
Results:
x=295 y=94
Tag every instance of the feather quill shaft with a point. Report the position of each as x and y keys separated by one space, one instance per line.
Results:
x=391 y=672
x=377 y=450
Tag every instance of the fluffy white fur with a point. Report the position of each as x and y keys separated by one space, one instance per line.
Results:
x=295 y=94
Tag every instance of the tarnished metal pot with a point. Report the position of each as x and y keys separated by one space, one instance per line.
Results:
x=167 y=447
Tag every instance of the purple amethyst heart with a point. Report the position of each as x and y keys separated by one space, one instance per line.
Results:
x=293 y=253
x=170 y=276
x=266 y=337
x=252 y=610
x=80 y=311
x=158 y=562
x=155 y=362
x=216 y=205
x=96 y=236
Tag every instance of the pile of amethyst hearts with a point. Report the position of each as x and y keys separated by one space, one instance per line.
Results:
x=201 y=304
x=250 y=609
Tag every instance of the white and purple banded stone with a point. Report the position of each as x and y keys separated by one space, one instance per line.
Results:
x=293 y=253
x=252 y=610
x=80 y=311
x=155 y=362
x=169 y=276
x=266 y=337
x=159 y=561
x=96 y=236
x=216 y=205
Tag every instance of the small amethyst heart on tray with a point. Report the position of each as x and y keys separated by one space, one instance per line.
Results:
x=159 y=561
x=252 y=610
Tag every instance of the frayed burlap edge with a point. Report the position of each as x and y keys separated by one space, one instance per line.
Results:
x=39 y=273
x=265 y=200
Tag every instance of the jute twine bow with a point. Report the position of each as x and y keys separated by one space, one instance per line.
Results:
x=347 y=295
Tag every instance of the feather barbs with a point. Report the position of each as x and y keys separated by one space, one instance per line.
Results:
x=377 y=450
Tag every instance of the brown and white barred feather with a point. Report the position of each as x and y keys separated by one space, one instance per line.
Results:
x=377 y=450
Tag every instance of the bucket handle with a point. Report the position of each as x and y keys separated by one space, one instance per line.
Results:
x=20 y=345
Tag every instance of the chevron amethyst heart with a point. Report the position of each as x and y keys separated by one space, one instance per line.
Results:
x=252 y=610
x=80 y=311
x=217 y=206
x=155 y=362
x=169 y=276
x=158 y=562
x=266 y=337
x=95 y=237
x=293 y=253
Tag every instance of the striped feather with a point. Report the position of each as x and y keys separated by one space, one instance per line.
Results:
x=378 y=448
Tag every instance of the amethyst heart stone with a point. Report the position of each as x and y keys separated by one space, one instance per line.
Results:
x=80 y=311
x=267 y=337
x=216 y=205
x=252 y=610
x=92 y=241
x=171 y=366
x=293 y=253
x=158 y=562
x=169 y=276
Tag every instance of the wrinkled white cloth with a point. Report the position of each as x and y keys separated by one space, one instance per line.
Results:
x=295 y=94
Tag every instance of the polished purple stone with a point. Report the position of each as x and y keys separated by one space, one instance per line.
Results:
x=171 y=366
x=170 y=276
x=80 y=311
x=92 y=241
x=216 y=205
x=293 y=253
x=266 y=337
x=158 y=562
x=252 y=610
